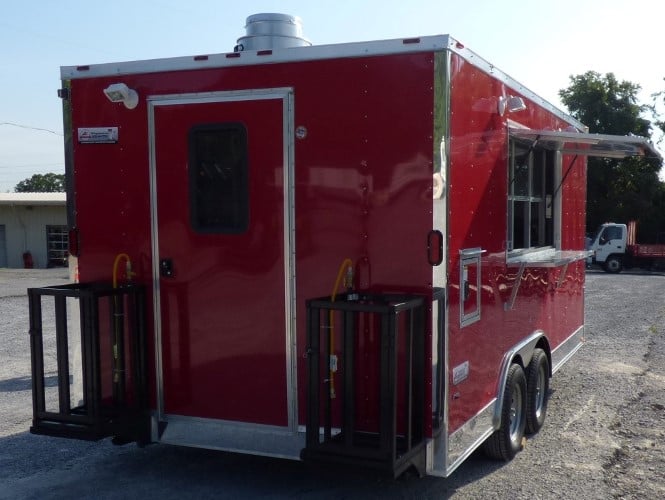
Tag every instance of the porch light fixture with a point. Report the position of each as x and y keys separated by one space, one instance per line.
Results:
x=511 y=104
x=119 y=92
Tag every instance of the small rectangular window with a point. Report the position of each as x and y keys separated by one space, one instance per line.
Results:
x=470 y=286
x=521 y=173
x=218 y=178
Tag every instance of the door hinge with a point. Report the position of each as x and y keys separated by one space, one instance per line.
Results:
x=63 y=93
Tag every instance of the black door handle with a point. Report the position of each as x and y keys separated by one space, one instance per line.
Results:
x=166 y=268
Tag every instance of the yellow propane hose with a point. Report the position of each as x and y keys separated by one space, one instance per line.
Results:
x=116 y=320
x=116 y=262
x=346 y=266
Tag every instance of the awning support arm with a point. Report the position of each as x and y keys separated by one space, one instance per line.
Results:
x=556 y=191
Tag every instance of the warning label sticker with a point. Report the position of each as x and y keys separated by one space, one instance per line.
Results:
x=98 y=135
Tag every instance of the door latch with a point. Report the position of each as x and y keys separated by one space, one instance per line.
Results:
x=166 y=268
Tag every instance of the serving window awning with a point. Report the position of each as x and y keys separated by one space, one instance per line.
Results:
x=580 y=143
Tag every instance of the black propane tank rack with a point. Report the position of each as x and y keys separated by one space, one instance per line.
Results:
x=336 y=430
x=107 y=359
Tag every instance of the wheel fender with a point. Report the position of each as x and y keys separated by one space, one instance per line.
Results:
x=520 y=353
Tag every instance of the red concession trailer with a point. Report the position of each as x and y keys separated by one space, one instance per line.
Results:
x=366 y=253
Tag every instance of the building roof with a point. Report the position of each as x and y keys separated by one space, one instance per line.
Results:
x=33 y=198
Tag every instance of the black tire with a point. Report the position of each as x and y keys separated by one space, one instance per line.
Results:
x=537 y=391
x=506 y=441
x=613 y=264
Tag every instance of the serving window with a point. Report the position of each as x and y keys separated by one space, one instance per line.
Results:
x=531 y=192
x=535 y=179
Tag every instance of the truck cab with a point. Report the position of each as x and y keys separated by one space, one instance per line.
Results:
x=609 y=246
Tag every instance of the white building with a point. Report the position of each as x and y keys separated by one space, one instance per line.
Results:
x=34 y=224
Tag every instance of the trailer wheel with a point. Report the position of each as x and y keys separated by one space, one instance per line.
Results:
x=537 y=387
x=613 y=264
x=507 y=439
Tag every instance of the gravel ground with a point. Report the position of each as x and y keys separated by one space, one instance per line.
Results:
x=604 y=436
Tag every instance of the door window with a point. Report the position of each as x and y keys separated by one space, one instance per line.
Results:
x=610 y=233
x=218 y=178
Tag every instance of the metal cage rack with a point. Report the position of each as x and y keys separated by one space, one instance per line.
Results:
x=112 y=341
x=334 y=431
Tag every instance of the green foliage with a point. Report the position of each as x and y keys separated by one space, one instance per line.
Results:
x=606 y=105
x=617 y=190
x=656 y=110
x=42 y=183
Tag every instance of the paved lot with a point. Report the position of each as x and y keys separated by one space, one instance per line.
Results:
x=604 y=436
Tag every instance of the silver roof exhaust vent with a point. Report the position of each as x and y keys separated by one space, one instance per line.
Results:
x=272 y=31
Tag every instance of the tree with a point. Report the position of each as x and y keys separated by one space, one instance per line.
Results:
x=657 y=111
x=617 y=190
x=42 y=183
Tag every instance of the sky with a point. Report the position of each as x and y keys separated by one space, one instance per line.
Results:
x=540 y=43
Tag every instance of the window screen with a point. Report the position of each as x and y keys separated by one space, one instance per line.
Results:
x=218 y=178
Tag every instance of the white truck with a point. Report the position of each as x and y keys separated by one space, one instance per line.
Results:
x=614 y=248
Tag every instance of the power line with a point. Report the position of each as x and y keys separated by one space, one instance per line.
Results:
x=28 y=127
x=34 y=165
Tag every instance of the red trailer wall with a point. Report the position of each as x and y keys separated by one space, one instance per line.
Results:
x=363 y=175
x=477 y=217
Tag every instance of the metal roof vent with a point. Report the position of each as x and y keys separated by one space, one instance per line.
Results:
x=272 y=31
